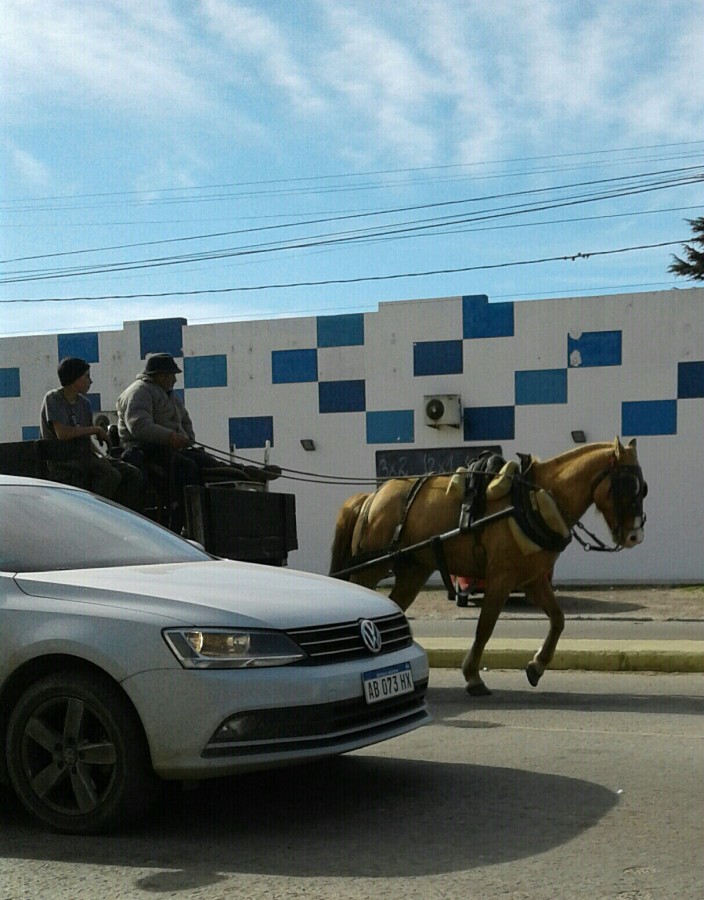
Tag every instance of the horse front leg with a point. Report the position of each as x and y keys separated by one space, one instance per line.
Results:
x=492 y=604
x=542 y=595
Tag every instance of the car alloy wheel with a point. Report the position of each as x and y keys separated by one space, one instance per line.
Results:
x=76 y=754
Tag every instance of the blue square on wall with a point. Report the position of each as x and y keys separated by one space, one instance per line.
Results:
x=437 y=358
x=649 y=417
x=205 y=371
x=161 y=336
x=541 y=386
x=690 y=380
x=341 y=396
x=393 y=426
x=31 y=433
x=594 y=348
x=341 y=331
x=251 y=431
x=84 y=346
x=489 y=423
x=294 y=366
x=10 y=382
x=481 y=319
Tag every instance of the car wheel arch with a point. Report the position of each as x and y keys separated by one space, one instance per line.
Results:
x=40 y=667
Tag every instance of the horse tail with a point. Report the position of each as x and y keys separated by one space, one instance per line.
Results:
x=341 y=555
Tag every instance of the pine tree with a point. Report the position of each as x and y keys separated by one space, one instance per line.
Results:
x=693 y=266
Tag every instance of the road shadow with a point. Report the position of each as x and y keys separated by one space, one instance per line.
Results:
x=447 y=703
x=354 y=816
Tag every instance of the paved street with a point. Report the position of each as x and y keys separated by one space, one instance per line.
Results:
x=589 y=787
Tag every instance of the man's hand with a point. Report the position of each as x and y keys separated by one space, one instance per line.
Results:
x=101 y=434
x=178 y=441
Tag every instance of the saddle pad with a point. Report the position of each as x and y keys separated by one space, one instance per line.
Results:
x=501 y=485
x=456 y=486
x=546 y=506
x=543 y=504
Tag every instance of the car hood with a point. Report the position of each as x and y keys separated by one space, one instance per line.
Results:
x=214 y=592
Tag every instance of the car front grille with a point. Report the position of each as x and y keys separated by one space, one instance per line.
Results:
x=256 y=732
x=327 y=644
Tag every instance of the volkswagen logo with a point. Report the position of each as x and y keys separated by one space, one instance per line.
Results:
x=370 y=635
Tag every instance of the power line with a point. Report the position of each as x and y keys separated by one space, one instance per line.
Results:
x=680 y=171
x=386 y=232
x=527 y=262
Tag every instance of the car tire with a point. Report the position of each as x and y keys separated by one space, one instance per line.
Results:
x=77 y=756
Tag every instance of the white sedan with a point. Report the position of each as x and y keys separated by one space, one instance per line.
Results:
x=129 y=656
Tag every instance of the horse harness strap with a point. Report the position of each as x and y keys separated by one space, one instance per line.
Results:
x=395 y=551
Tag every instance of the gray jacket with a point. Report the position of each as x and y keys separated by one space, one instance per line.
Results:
x=147 y=414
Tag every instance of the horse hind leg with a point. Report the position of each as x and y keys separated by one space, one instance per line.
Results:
x=543 y=596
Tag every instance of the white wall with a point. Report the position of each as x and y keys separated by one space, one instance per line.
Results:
x=659 y=331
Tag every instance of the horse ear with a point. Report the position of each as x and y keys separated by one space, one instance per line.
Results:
x=618 y=447
x=632 y=443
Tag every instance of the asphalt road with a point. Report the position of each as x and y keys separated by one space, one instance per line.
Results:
x=590 y=787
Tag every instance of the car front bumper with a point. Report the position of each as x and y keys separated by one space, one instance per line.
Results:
x=287 y=714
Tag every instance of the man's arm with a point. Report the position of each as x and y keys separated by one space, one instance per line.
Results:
x=71 y=432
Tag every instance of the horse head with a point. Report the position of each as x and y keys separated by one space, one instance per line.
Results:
x=618 y=494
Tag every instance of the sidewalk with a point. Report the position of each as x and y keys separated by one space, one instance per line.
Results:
x=646 y=635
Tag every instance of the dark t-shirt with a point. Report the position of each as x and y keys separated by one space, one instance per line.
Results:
x=56 y=408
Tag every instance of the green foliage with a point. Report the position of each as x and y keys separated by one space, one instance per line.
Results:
x=693 y=266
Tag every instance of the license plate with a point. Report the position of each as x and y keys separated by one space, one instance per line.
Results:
x=382 y=684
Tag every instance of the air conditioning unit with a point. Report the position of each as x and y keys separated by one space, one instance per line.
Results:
x=443 y=409
x=105 y=418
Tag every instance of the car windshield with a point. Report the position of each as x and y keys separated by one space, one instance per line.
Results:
x=44 y=528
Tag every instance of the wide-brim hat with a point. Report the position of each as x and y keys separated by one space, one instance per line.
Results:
x=160 y=363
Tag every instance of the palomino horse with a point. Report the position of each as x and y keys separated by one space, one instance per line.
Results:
x=369 y=526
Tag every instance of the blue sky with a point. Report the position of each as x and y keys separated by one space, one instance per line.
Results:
x=218 y=159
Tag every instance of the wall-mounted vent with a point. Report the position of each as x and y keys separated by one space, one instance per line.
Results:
x=443 y=409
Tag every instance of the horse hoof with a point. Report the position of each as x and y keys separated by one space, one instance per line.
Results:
x=478 y=690
x=533 y=674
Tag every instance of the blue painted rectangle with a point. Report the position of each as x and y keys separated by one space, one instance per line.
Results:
x=489 y=423
x=251 y=431
x=31 y=433
x=649 y=417
x=161 y=336
x=437 y=358
x=341 y=331
x=594 y=348
x=10 y=382
x=294 y=366
x=481 y=319
x=541 y=386
x=205 y=371
x=94 y=400
x=84 y=346
x=341 y=396
x=690 y=380
x=390 y=426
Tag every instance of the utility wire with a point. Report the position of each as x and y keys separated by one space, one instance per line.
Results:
x=357 y=215
x=526 y=262
x=388 y=232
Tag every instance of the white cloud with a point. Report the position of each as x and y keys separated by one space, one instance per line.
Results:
x=131 y=56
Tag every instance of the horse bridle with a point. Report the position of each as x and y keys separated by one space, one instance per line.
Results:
x=629 y=489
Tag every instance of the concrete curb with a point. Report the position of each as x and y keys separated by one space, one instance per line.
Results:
x=587 y=655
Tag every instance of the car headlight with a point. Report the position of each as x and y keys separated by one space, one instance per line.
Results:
x=230 y=648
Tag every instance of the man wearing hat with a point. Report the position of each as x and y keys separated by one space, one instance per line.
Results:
x=66 y=415
x=155 y=428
